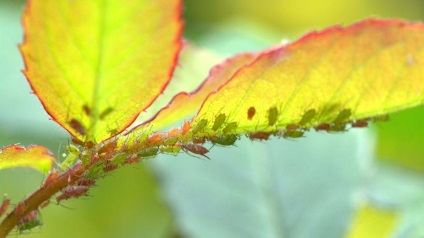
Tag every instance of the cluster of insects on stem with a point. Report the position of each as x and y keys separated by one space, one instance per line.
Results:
x=99 y=159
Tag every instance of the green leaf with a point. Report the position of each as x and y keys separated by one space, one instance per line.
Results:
x=401 y=141
x=33 y=156
x=336 y=76
x=292 y=189
x=95 y=65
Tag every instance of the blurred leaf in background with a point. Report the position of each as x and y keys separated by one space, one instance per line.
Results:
x=308 y=186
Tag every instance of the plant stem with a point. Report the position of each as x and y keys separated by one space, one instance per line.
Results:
x=44 y=193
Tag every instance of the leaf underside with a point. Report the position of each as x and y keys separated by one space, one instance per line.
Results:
x=96 y=64
x=369 y=69
x=331 y=80
x=33 y=156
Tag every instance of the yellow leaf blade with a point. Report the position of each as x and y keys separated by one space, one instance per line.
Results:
x=33 y=156
x=368 y=69
x=96 y=64
x=185 y=104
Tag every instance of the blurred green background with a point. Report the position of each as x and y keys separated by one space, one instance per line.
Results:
x=320 y=186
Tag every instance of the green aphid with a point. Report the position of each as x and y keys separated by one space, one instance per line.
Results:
x=337 y=127
x=293 y=134
x=219 y=120
x=29 y=225
x=230 y=127
x=148 y=152
x=307 y=117
x=343 y=116
x=85 y=160
x=272 y=116
x=174 y=150
x=224 y=140
x=170 y=141
x=69 y=161
x=381 y=118
x=200 y=126
x=105 y=113
x=118 y=158
x=73 y=149
x=97 y=169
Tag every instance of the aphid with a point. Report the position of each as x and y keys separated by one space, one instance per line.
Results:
x=272 y=116
x=251 y=113
x=173 y=132
x=29 y=221
x=219 y=120
x=170 y=141
x=96 y=170
x=19 y=209
x=77 y=141
x=292 y=127
x=381 y=118
x=359 y=124
x=337 y=127
x=86 y=109
x=89 y=144
x=44 y=204
x=185 y=127
x=174 y=150
x=72 y=192
x=343 y=116
x=119 y=158
x=69 y=161
x=4 y=206
x=200 y=126
x=259 y=135
x=86 y=182
x=77 y=126
x=224 y=140
x=155 y=138
x=150 y=152
x=107 y=148
x=51 y=177
x=85 y=159
x=322 y=127
x=110 y=167
x=230 y=127
x=196 y=149
x=73 y=150
x=307 y=117
x=105 y=113
x=199 y=140
x=131 y=160
x=293 y=134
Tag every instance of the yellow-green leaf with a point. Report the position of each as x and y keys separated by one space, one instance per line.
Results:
x=33 y=156
x=96 y=64
x=194 y=65
x=185 y=104
x=372 y=222
x=334 y=76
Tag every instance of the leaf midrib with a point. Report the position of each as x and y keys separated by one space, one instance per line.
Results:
x=98 y=68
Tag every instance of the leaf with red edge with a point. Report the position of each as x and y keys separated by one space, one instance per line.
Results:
x=371 y=68
x=95 y=65
x=33 y=156
x=185 y=104
x=194 y=65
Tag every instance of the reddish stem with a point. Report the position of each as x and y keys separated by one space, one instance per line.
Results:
x=44 y=193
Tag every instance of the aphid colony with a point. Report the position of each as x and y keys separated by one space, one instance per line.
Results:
x=190 y=138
